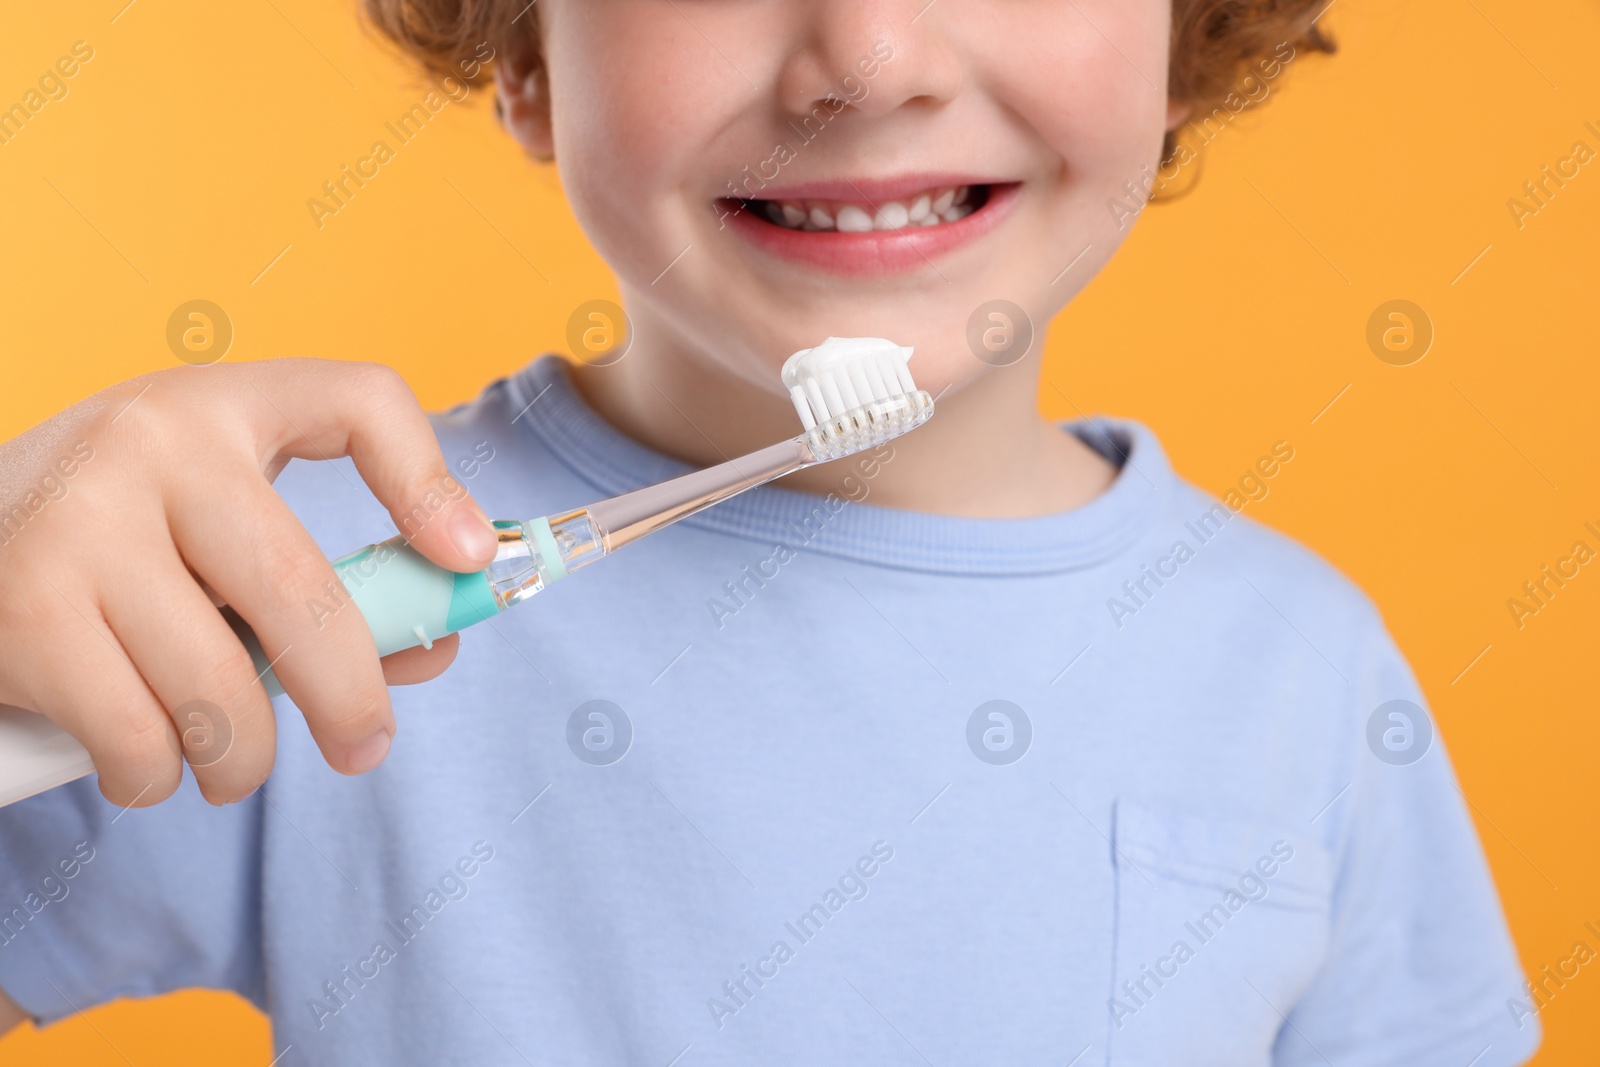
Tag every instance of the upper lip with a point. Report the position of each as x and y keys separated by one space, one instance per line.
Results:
x=872 y=190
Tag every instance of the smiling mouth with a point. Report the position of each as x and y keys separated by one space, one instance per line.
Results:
x=870 y=227
x=937 y=206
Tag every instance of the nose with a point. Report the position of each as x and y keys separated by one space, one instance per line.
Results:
x=875 y=55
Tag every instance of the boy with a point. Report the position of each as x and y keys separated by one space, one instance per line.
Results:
x=998 y=745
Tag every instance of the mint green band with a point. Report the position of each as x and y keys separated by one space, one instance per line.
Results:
x=555 y=568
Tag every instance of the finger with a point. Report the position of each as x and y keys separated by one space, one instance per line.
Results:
x=318 y=409
x=199 y=671
x=257 y=556
x=413 y=665
x=95 y=694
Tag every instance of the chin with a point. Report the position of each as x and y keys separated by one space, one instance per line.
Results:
x=946 y=370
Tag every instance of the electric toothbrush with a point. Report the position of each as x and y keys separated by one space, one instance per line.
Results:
x=851 y=394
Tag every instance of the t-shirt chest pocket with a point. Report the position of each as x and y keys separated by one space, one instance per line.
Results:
x=1220 y=926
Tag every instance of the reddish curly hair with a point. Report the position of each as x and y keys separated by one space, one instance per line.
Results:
x=1219 y=46
x=1216 y=44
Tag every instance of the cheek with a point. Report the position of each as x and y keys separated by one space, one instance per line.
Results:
x=1090 y=81
x=637 y=93
x=1089 y=87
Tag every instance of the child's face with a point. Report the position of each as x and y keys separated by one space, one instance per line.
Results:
x=663 y=114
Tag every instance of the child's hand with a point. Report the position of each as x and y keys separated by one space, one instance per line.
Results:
x=128 y=517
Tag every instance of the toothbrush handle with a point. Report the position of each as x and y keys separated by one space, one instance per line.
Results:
x=405 y=599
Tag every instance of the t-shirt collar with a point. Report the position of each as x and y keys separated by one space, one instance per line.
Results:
x=558 y=417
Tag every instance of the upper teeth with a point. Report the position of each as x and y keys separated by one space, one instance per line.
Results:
x=948 y=204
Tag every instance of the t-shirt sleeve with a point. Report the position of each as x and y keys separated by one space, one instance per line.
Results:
x=1420 y=968
x=97 y=902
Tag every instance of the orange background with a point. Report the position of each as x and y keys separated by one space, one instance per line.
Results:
x=179 y=165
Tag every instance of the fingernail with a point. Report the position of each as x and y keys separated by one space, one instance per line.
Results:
x=369 y=753
x=472 y=536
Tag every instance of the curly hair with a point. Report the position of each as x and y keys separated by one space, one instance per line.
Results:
x=1219 y=46
x=1216 y=44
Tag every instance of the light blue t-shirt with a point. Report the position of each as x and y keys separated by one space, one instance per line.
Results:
x=811 y=781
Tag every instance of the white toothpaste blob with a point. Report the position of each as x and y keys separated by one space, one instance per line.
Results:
x=854 y=392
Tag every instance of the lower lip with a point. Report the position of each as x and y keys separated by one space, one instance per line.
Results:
x=876 y=252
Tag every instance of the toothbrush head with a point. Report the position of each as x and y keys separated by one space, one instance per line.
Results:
x=853 y=393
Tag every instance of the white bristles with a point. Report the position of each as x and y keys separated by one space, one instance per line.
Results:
x=802 y=403
x=854 y=392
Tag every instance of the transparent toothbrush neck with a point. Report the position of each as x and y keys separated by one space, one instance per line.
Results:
x=578 y=538
x=530 y=558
